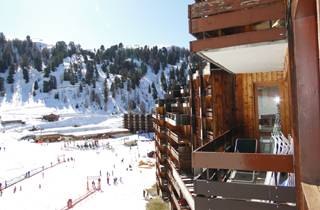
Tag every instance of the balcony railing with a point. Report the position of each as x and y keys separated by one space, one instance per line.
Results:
x=161 y=182
x=159 y=102
x=225 y=23
x=161 y=147
x=176 y=138
x=174 y=183
x=161 y=156
x=158 y=128
x=209 y=113
x=177 y=119
x=182 y=157
x=161 y=142
x=208 y=91
x=225 y=194
x=173 y=152
x=210 y=135
x=161 y=171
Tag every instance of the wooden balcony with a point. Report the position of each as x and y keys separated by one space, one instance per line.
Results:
x=227 y=17
x=209 y=156
x=177 y=119
x=174 y=183
x=182 y=158
x=210 y=135
x=161 y=171
x=209 y=113
x=159 y=103
x=181 y=185
x=158 y=128
x=208 y=91
x=249 y=196
x=158 y=117
x=162 y=183
x=230 y=32
x=176 y=138
x=161 y=146
x=175 y=201
x=161 y=156
x=222 y=195
x=161 y=142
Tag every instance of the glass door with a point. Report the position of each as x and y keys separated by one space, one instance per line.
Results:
x=268 y=107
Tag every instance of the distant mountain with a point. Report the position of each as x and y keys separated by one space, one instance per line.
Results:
x=112 y=80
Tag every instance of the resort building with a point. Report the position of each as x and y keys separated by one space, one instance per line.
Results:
x=246 y=132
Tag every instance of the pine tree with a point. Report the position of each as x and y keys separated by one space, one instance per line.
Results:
x=46 y=86
x=163 y=82
x=2 y=90
x=37 y=60
x=80 y=88
x=10 y=79
x=25 y=74
x=154 y=91
x=106 y=91
x=113 y=90
x=52 y=82
x=46 y=72
x=36 y=85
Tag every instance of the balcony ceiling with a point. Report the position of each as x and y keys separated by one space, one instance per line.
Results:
x=249 y=58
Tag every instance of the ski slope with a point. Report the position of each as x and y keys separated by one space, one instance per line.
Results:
x=51 y=189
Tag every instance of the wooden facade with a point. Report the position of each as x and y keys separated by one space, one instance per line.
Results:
x=172 y=127
x=246 y=102
x=226 y=104
x=137 y=122
x=218 y=25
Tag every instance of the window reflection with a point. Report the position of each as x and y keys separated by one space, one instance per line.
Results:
x=268 y=114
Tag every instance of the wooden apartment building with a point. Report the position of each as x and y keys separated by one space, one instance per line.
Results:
x=246 y=134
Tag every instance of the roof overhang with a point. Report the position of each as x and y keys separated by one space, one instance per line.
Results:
x=249 y=58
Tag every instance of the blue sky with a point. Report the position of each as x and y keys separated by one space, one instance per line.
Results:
x=95 y=22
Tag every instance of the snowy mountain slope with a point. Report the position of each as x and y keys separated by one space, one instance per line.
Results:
x=67 y=96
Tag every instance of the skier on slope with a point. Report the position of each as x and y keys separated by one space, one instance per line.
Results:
x=93 y=185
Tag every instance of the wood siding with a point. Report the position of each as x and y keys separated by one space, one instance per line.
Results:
x=246 y=113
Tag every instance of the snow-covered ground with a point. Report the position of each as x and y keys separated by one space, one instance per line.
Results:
x=52 y=188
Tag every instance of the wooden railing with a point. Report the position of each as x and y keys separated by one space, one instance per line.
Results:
x=212 y=155
x=208 y=91
x=175 y=200
x=209 y=112
x=213 y=7
x=226 y=196
x=247 y=196
x=175 y=137
x=177 y=119
x=225 y=23
x=173 y=152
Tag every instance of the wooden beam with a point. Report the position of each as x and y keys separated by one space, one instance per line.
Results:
x=238 y=18
x=184 y=190
x=230 y=204
x=245 y=191
x=207 y=8
x=312 y=195
x=252 y=37
x=303 y=8
x=243 y=161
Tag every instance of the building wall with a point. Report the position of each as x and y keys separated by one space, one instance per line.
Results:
x=246 y=109
x=220 y=101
